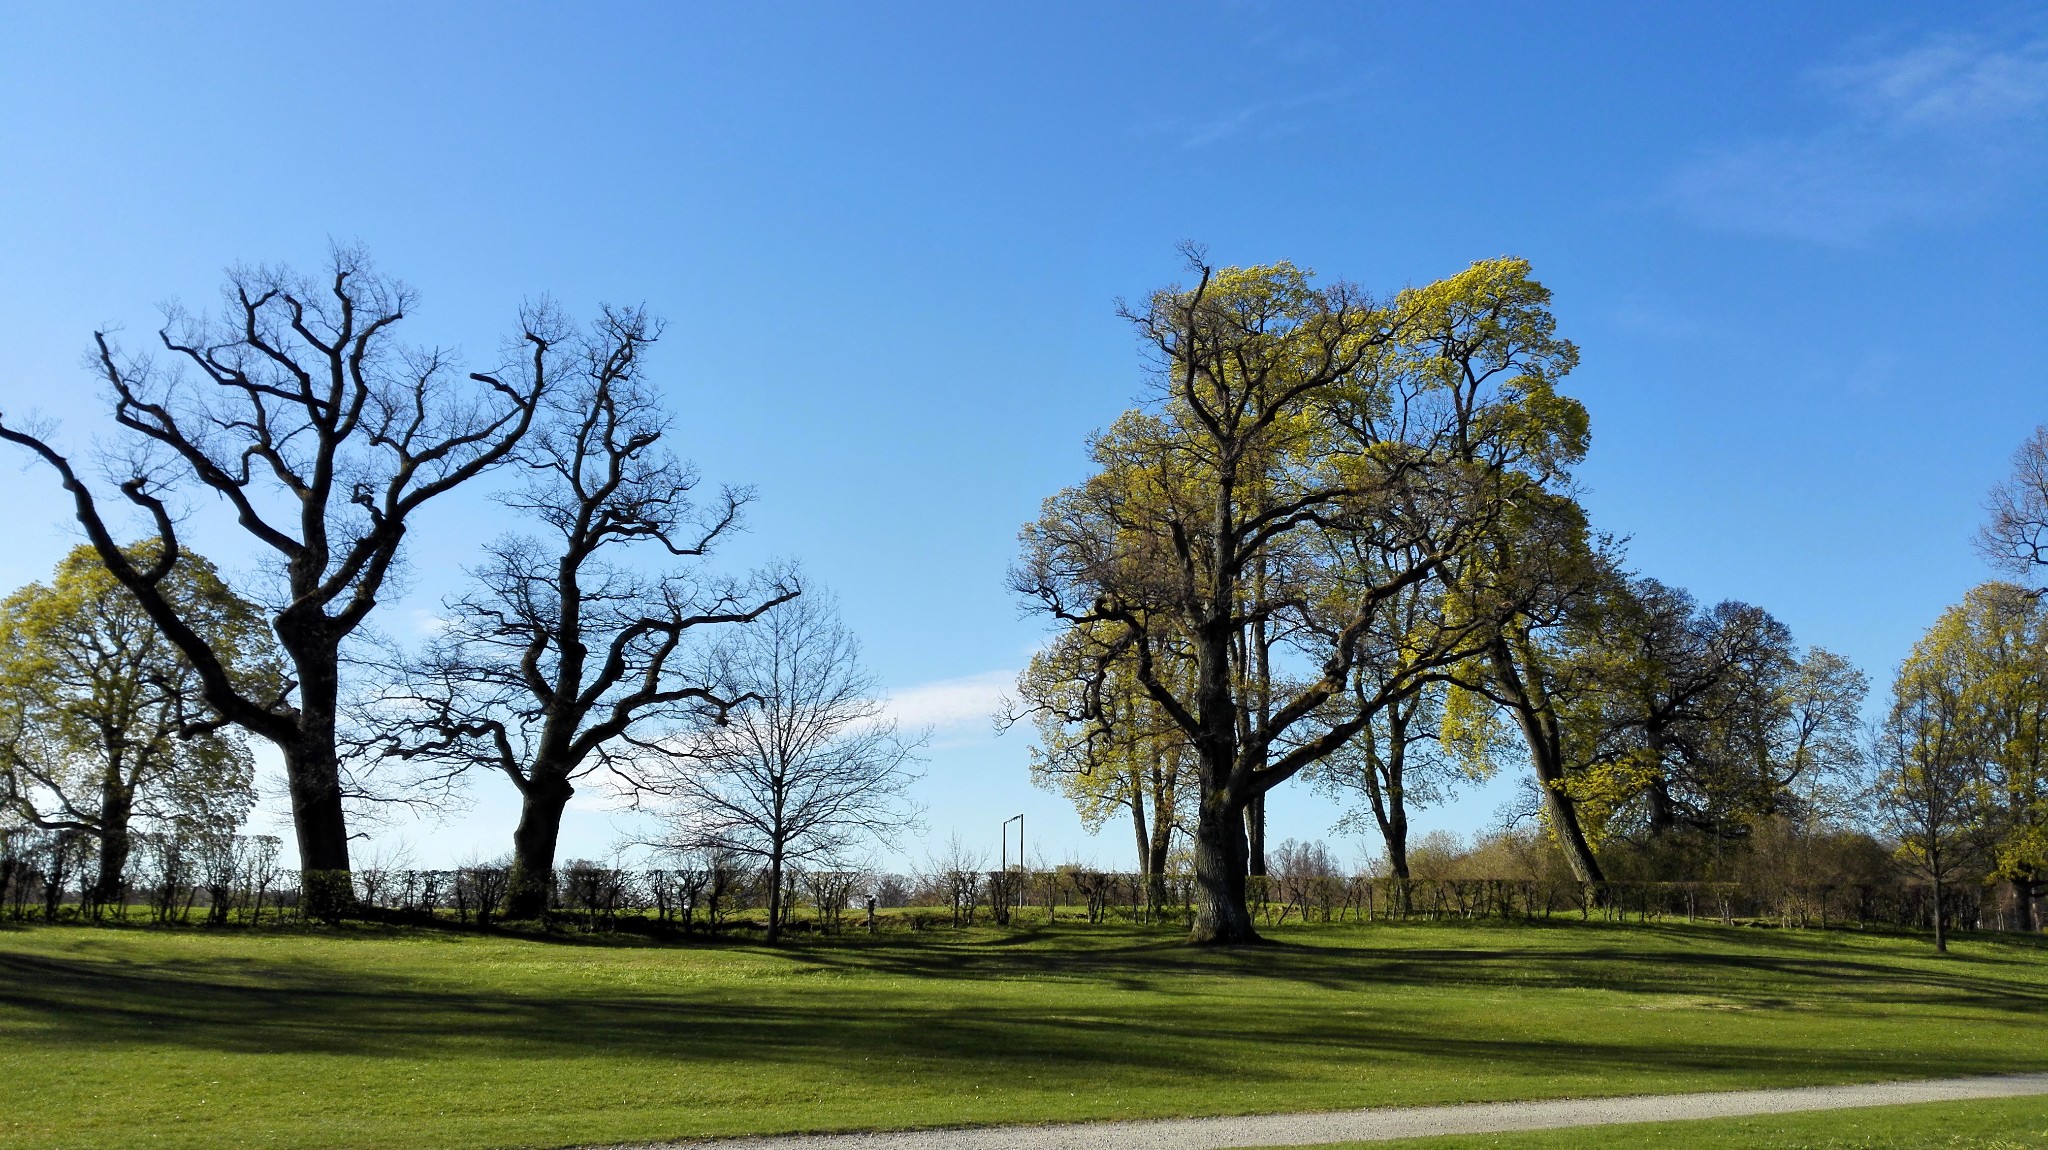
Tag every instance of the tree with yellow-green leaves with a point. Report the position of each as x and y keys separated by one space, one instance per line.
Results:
x=1453 y=724
x=1536 y=674
x=1986 y=661
x=1286 y=415
x=105 y=724
x=1930 y=788
x=1105 y=745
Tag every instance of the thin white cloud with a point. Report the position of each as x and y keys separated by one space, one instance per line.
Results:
x=1937 y=131
x=958 y=712
x=1258 y=119
x=952 y=704
x=1825 y=191
x=1947 y=82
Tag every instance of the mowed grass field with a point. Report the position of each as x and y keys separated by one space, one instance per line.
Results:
x=379 y=1037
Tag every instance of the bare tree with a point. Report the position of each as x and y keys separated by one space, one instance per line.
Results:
x=804 y=769
x=550 y=666
x=831 y=888
x=299 y=410
x=725 y=876
x=2014 y=537
x=957 y=870
x=1814 y=748
x=480 y=886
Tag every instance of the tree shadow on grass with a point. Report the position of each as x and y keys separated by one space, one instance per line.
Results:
x=1675 y=961
x=850 y=1032
x=1239 y=1017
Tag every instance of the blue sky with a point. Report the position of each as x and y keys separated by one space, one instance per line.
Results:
x=1801 y=247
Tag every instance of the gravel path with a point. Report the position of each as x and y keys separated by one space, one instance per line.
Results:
x=1410 y=1122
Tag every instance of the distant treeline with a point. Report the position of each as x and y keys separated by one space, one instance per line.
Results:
x=236 y=880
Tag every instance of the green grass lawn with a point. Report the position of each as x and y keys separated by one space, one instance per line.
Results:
x=373 y=1036
x=1995 y=1124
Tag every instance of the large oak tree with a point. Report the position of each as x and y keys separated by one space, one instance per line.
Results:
x=298 y=411
x=569 y=652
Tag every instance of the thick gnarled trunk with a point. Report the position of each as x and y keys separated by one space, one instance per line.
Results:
x=1222 y=847
x=1221 y=857
x=530 y=888
x=313 y=779
x=326 y=883
x=117 y=805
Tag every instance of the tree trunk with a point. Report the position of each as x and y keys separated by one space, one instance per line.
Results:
x=117 y=805
x=1546 y=756
x=1262 y=686
x=1390 y=811
x=774 y=896
x=1386 y=792
x=1564 y=827
x=1662 y=820
x=1662 y=817
x=1220 y=868
x=313 y=777
x=1557 y=806
x=1221 y=847
x=1940 y=923
x=531 y=885
x=1255 y=835
x=1397 y=843
x=1393 y=819
x=1138 y=828
x=327 y=889
x=2023 y=906
x=1162 y=838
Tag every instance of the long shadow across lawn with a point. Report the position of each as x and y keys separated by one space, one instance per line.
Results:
x=1649 y=959
x=870 y=1023
x=361 y=1013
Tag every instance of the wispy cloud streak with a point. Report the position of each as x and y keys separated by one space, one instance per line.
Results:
x=952 y=705
x=1256 y=119
x=1933 y=132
